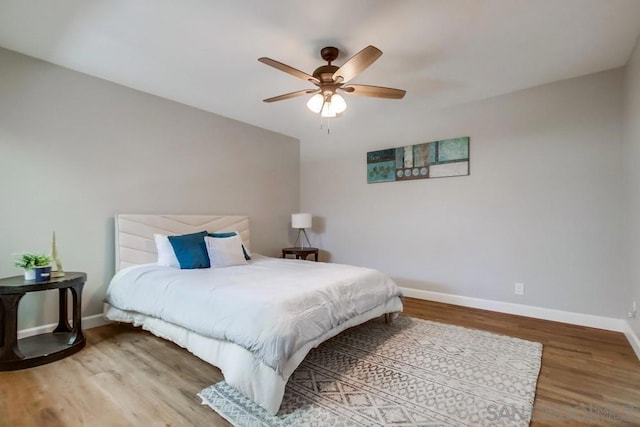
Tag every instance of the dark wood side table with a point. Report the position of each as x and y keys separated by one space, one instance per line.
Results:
x=37 y=350
x=300 y=253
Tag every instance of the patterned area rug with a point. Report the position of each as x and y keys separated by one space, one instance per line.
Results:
x=410 y=373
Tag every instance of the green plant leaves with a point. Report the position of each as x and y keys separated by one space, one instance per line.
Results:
x=29 y=260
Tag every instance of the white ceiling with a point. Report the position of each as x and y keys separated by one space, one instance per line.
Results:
x=204 y=53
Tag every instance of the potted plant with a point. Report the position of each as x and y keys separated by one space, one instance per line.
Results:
x=30 y=261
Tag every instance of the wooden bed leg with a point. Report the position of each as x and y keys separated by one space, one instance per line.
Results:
x=390 y=317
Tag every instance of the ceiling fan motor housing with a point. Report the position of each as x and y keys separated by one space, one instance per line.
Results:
x=324 y=73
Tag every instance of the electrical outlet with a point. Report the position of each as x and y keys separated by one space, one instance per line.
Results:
x=518 y=289
x=633 y=312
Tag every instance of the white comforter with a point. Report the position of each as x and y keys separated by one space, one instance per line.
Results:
x=272 y=307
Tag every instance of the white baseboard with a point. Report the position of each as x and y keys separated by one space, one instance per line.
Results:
x=87 y=323
x=600 y=322
x=633 y=338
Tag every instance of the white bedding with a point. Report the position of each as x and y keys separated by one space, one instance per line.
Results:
x=271 y=307
x=240 y=368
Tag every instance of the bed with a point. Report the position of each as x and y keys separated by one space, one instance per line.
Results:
x=255 y=322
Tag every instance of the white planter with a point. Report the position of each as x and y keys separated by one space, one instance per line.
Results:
x=30 y=274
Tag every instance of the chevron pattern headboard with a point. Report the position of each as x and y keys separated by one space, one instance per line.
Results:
x=134 y=233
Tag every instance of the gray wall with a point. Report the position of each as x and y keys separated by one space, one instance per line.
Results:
x=632 y=176
x=75 y=150
x=542 y=204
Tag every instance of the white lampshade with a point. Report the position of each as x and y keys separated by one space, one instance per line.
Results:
x=334 y=105
x=327 y=111
x=338 y=104
x=315 y=103
x=301 y=220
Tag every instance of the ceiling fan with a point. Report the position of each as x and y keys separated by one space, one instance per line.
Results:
x=330 y=79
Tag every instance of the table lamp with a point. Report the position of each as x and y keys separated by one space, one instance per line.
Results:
x=301 y=221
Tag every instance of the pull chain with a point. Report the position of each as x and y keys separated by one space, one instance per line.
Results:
x=328 y=127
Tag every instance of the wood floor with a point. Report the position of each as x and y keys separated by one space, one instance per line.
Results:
x=588 y=376
x=127 y=377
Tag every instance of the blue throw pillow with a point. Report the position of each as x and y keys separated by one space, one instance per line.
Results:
x=190 y=250
x=231 y=234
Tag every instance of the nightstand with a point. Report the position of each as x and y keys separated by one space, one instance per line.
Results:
x=37 y=350
x=300 y=253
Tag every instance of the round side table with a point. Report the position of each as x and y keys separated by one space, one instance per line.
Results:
x=300 y=253
x=36 y=350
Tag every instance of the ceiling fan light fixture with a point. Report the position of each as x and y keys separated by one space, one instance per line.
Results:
x=327 y=110
x=315 y=103
x=338 y=104
x=334 y=104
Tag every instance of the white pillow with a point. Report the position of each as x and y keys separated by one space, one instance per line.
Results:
x=166 y=255
x=225 y=251
x=227 y=233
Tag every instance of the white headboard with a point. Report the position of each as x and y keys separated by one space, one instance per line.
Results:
x=134 y=233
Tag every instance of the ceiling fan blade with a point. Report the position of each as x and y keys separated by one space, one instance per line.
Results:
x=375 y=91
x=291 y=95
x=287 y=69
x=357 y=64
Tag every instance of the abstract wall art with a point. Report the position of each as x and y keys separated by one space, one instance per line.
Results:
x=437 y=159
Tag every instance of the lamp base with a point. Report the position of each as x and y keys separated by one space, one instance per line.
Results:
x=303 y=231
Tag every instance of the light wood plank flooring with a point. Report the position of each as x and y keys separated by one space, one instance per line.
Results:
x=127 y=377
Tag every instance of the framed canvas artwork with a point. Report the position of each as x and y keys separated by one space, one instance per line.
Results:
x=437 y=159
